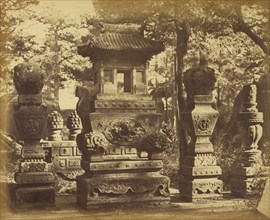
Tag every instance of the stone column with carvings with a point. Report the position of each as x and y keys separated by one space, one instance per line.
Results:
x=34 y=181
x=199 y=172
x=246 y=169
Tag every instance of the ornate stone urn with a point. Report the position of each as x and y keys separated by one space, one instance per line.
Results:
x=248 y=169
x=34 y=182
x=199 y=172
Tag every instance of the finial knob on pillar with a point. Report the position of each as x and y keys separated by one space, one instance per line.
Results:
x=28 y=79
x=200 y=79
x=55 y=124
x=74 y=125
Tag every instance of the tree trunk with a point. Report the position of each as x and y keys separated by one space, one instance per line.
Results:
x=182 y=33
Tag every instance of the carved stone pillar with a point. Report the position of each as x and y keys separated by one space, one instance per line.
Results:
x=34 y=182
x=199 y=172
x=244 y=179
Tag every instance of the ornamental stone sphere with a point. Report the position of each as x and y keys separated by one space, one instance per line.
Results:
x=28 y=79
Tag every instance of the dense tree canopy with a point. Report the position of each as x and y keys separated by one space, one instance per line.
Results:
x=8 y=23
x=53 y=45
x=232 y=34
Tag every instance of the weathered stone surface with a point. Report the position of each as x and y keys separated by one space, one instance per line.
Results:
x=200 y=79
x=64 y=155
x=195 y=190
x=248 y=172
x=28 y=79
x=74 y=125
x=55 y=124
x=120 y=141
x=34 y=182
x=35 y=196
x=199 y=171
x=31 y=121
x=119 y=188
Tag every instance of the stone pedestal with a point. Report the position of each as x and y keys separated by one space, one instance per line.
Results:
x=248 y=171
x=199 y=171
x=63 y=155
x=120 y=167
x=126 y=187
x=34 y=181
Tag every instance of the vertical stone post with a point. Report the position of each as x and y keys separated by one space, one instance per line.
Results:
x=134 y=82
x=249 y=167
x=115 y=78
x=34 y=182
x=146 y=77
x=101 y=77
x=74 y=125
x=199 y=170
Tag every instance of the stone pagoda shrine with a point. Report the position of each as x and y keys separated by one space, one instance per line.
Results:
x=121 y=142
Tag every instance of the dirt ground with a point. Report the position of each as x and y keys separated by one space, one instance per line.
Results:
x=66 y=208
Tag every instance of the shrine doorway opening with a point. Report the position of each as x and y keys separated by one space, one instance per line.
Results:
x=124 y=81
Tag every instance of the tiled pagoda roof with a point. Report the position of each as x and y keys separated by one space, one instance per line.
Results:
x=117 y=41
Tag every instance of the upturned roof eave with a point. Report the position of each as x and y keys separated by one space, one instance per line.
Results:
x=88 y=50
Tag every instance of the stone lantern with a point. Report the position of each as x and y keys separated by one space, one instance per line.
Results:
x=34 y=182
x=121 y=143
x=199 y=170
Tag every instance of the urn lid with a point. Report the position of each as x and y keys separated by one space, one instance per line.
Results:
x=28 y=79
x=199 y=79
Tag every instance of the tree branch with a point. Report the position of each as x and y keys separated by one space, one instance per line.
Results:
x=65 y=58
x=241 y=26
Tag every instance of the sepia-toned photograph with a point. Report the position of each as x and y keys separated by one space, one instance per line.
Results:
x=134 y=109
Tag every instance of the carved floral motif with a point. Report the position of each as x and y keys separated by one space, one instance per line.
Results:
x=33 y=167
x=92 y=143
x=124 y=131
x=153 y=143
x=31 y=125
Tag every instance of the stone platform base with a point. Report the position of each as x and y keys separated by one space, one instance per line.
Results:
x=119 y=188
x=201 y=189
x=248 y=181
x=35 y=196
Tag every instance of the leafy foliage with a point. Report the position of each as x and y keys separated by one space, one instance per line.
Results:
x=8 y=21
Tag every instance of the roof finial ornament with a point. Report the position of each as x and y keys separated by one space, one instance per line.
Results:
x=203 y=59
